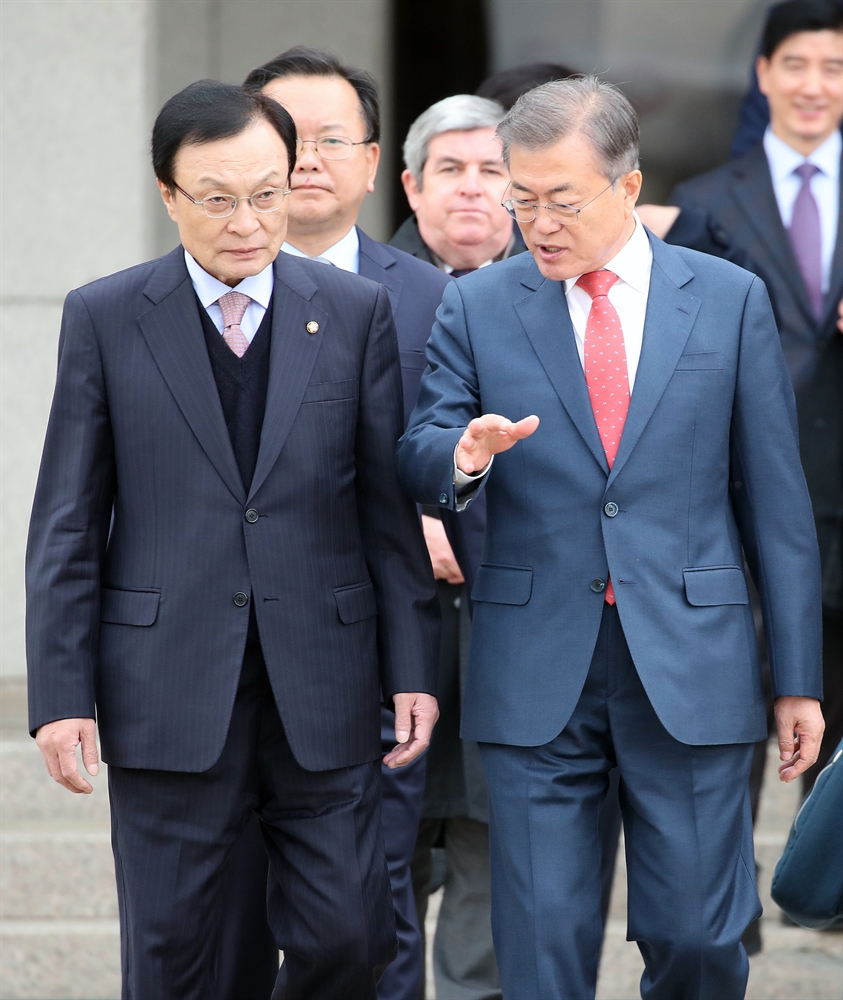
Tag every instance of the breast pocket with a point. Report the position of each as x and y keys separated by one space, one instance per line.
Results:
x=324 y=392
x=701 y=361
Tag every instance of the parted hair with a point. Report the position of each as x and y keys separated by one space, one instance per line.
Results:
x=301 y=60
x=460 y=113
x=207 y=111
x=585 y=104
x=794 y=16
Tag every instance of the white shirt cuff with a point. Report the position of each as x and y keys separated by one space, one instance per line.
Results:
x=462 y=478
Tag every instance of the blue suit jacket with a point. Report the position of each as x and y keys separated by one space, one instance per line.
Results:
x=139 y=539
x=708 y=463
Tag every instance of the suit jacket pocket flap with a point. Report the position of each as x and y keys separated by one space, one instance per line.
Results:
x=503 y=584
x=356 y=602
x=712 y=585
x=700 y=361
x=129 y=607
x=417 y=360
x=321 y=392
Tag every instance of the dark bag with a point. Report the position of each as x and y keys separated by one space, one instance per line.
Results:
x=808 y=882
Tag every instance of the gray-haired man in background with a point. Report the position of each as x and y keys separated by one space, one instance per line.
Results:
x=454 y=181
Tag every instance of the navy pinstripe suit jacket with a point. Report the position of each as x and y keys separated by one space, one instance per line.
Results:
x=139 y=540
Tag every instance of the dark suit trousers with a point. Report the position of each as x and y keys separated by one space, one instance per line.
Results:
x=172 y=833
x=247 y=960
x=688 y=844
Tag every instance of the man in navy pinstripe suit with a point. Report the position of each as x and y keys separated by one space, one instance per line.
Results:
x=224 y=570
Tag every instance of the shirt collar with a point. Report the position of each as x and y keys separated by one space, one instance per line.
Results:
x=209 y=289
x=345 y=253
x=632 y=263
x=784 y=159
x=449 y=268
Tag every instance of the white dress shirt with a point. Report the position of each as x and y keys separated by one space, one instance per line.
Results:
x=825 y=186
x=345 y=253
x=632 y=264
x=209 y=290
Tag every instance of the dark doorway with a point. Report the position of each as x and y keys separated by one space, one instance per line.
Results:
x=439 y=48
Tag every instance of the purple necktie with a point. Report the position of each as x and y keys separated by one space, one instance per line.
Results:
x=806 y=238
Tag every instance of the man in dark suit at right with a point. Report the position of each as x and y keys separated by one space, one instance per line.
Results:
x=780 y=204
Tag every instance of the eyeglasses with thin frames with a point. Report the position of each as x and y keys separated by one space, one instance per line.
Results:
x=331 y=147
x=221 y=206
x=567 y=215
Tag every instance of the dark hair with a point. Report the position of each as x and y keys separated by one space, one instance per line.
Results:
x=793 y=16
x=301 y=60
x=209 y=110
x=508 y=85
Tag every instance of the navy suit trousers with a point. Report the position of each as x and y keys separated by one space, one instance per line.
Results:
x=172 y=833
x=688 y=835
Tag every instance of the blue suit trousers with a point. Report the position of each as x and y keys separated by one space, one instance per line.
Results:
x=688 y=836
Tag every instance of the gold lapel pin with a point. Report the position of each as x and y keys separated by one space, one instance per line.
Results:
x=312 y=327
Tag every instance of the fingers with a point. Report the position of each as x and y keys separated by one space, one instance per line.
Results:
x=423 y=710
x=490 y=435
x=800 y=727
x=403 y=718
x=58 y=741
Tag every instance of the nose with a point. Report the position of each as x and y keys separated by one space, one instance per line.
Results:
x=244 y=221
x=470 y=182
x=545 y=224
x=308 y=158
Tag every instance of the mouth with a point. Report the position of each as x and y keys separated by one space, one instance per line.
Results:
x=245 y=253
x=550 y=251
x=307 y=186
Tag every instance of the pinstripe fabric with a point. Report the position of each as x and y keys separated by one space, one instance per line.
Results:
x=335 y=561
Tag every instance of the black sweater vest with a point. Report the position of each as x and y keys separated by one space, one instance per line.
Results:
x=242 y=384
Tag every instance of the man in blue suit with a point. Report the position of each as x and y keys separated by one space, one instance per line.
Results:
x=626 y=407
x=223 y=566
x=337 y=116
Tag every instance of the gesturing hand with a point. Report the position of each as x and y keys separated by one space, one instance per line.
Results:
x=489 y=435
x=415 y=716
x=802 y=717
x=58 y=741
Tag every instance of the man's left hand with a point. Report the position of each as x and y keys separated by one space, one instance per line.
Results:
x=800 y=725
x=415 y=716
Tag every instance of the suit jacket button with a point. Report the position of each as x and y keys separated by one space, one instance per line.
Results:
x=598 y=585
x=610 y=510
x=251 y=515
x=241 y=600
x=443 y=498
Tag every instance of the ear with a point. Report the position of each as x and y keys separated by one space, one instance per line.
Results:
x=169 y=200
x=762 y=68
x=411 y=189
x=631 y=185
x=373 y=158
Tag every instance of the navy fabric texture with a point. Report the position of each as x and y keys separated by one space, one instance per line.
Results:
x=708 y=468
x=141 y=512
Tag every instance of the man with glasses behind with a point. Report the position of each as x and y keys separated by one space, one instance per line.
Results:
x=223 y=567
x=627 y=409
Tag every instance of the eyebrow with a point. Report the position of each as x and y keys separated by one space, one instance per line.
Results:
x=557 y=190
x=216 y=182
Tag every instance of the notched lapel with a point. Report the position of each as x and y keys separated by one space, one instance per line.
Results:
x=173 y=331
x=671 y=314
x=291 y=359
x=547 y=323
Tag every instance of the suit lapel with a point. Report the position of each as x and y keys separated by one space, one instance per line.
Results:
x=835 y=282
x=671 y=313
x=173 y=331
x=753 y=194
x=547 y=323
x=291 y=359
x=377 y=265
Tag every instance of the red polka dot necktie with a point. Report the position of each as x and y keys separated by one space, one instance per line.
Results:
x=606 y=374
x=234 y=305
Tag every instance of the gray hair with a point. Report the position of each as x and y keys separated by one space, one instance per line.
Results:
x=588 y=105
x=460 y=113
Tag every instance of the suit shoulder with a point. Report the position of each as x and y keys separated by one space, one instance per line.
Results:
x=334 y=282
x=121 y=283
x=417 y=270
x=718 y=271
x=710 y=187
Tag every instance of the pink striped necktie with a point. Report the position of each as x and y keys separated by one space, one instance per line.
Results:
x=606 y=373
x=234 y=305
